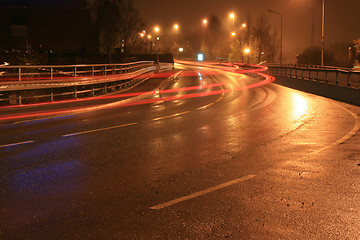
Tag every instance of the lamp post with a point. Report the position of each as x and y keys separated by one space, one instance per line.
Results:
x=157 y=31
x=232 y=16
x=322 y=33
x=150 y=42
x=203 y=34
x=247 y=52
x=281 y=32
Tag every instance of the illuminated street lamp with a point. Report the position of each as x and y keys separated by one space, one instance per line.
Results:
x=244 y=25
x=157 y=29
x=205 y=21
x=281 y=32
x=150 y=42
x=247 y=52
x=176 y=27
x=233 y=34
x=232 y=16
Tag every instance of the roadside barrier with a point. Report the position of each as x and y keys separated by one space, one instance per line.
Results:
x=331 y=75
x=27 y=84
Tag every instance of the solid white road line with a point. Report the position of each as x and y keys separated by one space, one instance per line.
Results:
x=355 y=129
x=171 y=116
x=15 y=144
x=99 y=130
x=203 y=192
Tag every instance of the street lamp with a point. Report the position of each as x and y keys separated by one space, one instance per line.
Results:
x=157 y=30
x=232 y=16
x=281 y=38
x=247 y=52
x=322 y=33
x=150 y=42
x=176 y=27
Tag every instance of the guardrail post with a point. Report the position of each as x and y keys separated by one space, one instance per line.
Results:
x=309 y=74
x=317 y=75
x=336 y=80
x=19 y=97
x=19 y=72
x=104 y=70
x=51 y=95
x=349 y=79
x=92 y=71
x=75 y=92
x=75 y=71
x=326 y=76
x=51 y=73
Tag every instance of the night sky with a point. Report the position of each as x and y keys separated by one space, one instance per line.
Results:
x=342 y=16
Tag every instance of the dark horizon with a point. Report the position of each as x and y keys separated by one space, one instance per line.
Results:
x=45 y=3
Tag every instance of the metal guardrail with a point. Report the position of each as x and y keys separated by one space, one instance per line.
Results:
x=62 y=72
x=29 y=84
x=306 y=66
x=331 y=75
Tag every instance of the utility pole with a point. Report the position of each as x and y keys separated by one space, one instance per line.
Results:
x=323 y=33
x=312 y=11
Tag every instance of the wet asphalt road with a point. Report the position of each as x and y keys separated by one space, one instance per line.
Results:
x=214 y=162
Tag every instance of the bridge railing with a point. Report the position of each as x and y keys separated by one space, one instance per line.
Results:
x=66 y=72
x=331 y=75
x=33 y=84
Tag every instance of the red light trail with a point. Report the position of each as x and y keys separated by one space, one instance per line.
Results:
x=228 y=67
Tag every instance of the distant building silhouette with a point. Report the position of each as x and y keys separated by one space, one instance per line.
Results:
x=47 y=25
